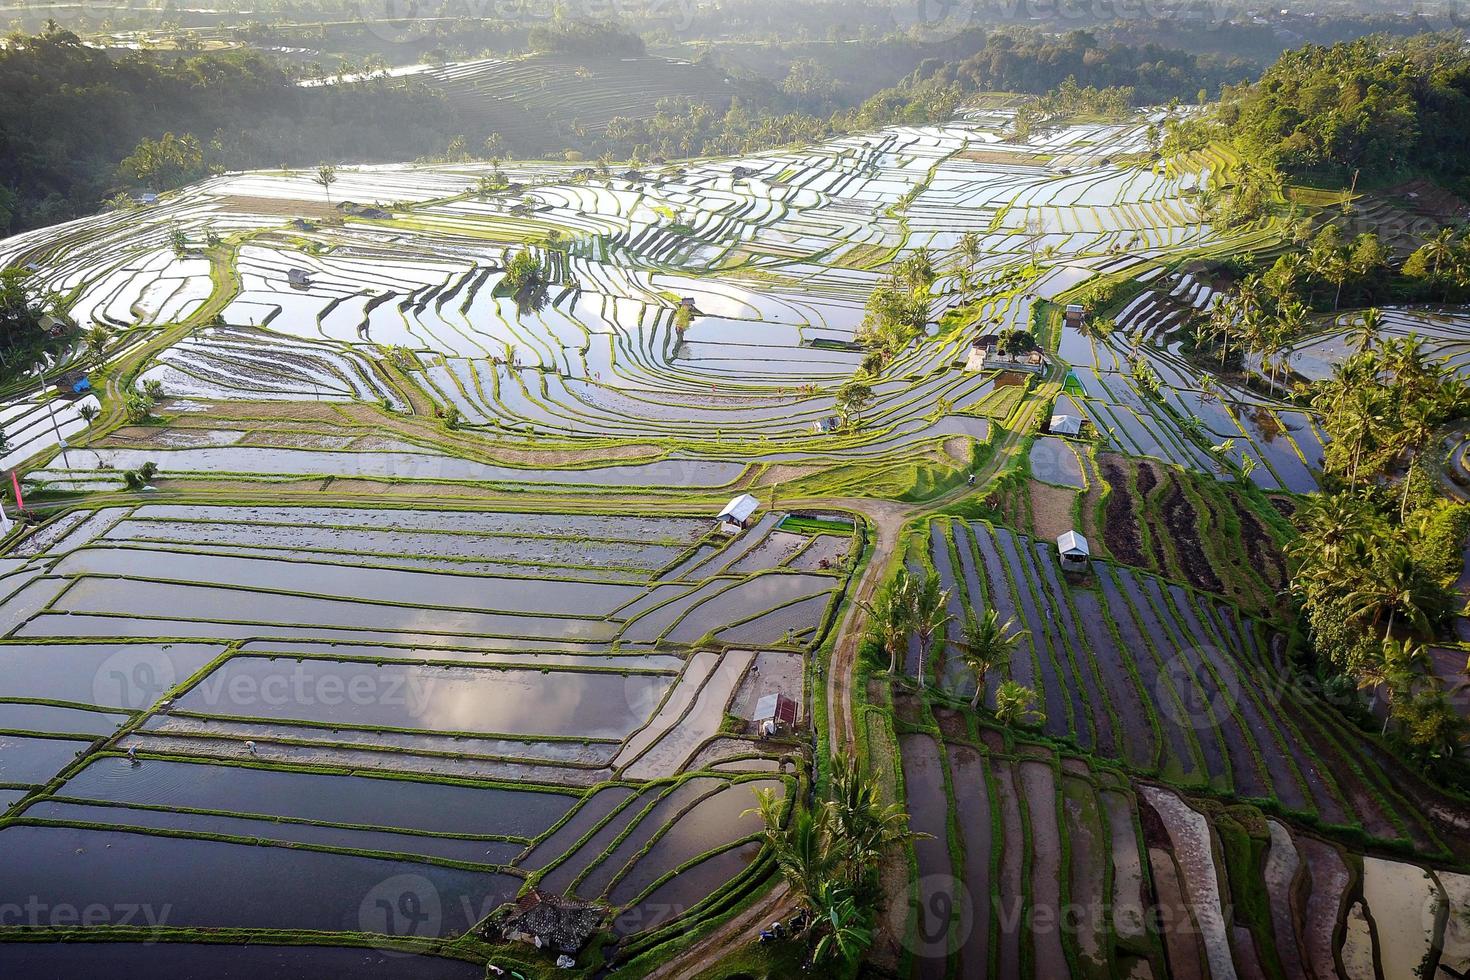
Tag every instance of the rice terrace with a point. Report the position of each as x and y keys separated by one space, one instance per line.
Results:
x=919 y=552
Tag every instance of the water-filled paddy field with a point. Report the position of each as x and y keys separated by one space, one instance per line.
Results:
x=357 y=724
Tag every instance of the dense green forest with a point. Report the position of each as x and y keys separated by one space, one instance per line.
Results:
x=1386 y=107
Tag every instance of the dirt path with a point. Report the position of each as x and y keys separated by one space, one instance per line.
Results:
x=889 y=517
x=705 y=952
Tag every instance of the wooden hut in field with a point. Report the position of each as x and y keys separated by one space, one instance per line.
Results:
x=1074 y=552
x=737 y=514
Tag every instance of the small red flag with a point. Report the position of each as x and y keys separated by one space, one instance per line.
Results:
x=20 y=503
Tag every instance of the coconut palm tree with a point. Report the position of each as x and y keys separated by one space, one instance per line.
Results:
x=1440 y=250
x=888 y=617
x=800 y=848
x=1416 y=429
x=862 y=827
x=1395 y=667
x=987 y=644
x=1358 y=424
x=1015 y=703
x=928 y=614
x=1368 y=330
x=1394 y=583
x=970 y=247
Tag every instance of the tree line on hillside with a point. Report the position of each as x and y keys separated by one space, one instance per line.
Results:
x=74 y=114
x=1376 y=563
x=80 y=119
x=1073 y=68
x=1375 y=109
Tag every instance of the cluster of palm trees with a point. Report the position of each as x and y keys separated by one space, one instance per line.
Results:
x=899 y=307
x=829 y=855
x=1383 y=404
x=1372 y=597
x=908 y=607
x=914 y=609
x=1375 y=563
x=897 y=312
x=1267 y=311
x=1259 y=319
x=1442 y=264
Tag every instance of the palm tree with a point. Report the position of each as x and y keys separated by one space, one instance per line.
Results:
x=859 y=822
x=888 y=617
x=1291 y=322
x=1015 y=703
x=987 y=645
x=97 y=338
x=1395 y=667
x=1369 y=329
x=800 y=848
x=928 y=614
x=1395 y=583
x=1329 y=522
x=1440 y=250
x=1359 y=423
x=1222 y=323
x=1417 y=423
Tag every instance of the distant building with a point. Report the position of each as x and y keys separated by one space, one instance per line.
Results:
x=1065 y=425
x=737 y=514
x=1074 y=552
x=826 y=426
x=147 y=197
x=299 y=278
x=1076 y=315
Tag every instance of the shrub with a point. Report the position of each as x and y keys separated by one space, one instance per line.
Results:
x=137 y=407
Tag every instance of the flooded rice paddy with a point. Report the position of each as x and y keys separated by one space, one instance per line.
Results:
x=363 y=731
